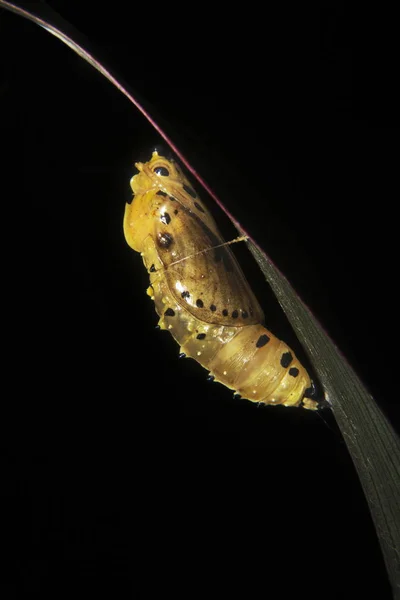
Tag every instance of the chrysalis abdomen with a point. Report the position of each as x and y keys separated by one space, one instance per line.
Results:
x=201 y=294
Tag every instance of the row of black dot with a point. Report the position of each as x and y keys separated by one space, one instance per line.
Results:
x=286 y=357
x=189 y=191
x=192 y=193
x=213 y=308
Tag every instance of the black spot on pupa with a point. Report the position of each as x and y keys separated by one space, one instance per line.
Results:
x=185 y=294
x=235 y=314
x=161 y=171
x=286 y=359
x=199 y=303
x=225 y=312
x=236 y=396
x=245 y=314
x=189 y=190
x=165 y=240
x=293 y=371
x=152 y=269
x=201 y=336
x=172 y=199
x=213 y=308
x=200 y=208
x=169 y=312
x=176 y=211
x=262 y=341
x=161 y=193
x=165 y=218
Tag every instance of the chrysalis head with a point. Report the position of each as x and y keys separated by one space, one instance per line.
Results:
x=157 y=173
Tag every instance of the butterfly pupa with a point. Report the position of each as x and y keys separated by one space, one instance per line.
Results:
x=201 y=294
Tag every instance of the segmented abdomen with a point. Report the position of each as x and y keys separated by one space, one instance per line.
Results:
x=249 y=360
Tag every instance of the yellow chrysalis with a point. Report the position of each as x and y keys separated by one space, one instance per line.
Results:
x=201 y=294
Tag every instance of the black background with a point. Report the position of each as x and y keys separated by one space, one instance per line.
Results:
x=124 y=470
